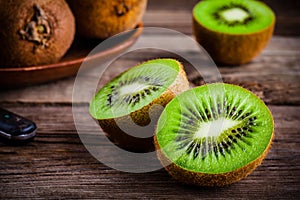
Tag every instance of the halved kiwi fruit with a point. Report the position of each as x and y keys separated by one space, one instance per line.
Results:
x=122 y=106
x=104 y=18
x=233 y=31
x=34 y=32
x=214 y=135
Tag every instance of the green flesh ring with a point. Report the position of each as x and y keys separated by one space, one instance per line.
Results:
x=213 y=129
x=233 y=16
x=134 y=89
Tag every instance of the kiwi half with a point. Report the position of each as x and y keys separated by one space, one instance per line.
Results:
x=122 y=106
x=213 y=135
x=233 y=31
x=34 y=32
x=104 y=18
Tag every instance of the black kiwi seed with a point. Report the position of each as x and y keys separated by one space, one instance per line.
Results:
x=225 y=145
x=154 y=89
x=216 y=150
x=197 y=150
x=181 y=138
x=190 y=148
x=219 y=109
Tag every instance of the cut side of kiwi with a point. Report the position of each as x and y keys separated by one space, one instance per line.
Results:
x=234 y=16
x=233 y=31
x=214 y=135
x=124 y=103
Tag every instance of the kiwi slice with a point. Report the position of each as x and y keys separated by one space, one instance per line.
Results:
x=233 y=31
x=122 y=106
x=34 y=32
x=214 y=135
x=101 y=19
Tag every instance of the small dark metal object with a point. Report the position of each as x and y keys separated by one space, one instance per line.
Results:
x=15 y=128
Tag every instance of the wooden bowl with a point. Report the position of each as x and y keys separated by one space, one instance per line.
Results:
x=69 y=64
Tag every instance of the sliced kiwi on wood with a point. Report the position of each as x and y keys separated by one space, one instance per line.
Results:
x=214 y=135
x=122 y=106
x=233 y=31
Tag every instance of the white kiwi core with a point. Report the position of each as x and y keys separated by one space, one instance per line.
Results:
x=132 y=88
x=214 y=128
x=234 y=14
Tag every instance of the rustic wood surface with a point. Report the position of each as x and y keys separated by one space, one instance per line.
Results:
x=56 y=165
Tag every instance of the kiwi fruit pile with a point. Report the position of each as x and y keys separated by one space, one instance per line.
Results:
x=122 y=105
x=40 y=32
x=214 y=135
x=233 y=31
x=101 y=19
x=34 y=32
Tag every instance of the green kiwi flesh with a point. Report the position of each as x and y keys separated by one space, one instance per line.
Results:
x=234 y=16
x=130 y=95
x=233 y=32
x=214 y=135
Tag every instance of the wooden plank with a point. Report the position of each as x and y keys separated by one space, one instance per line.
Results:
x=56 y=165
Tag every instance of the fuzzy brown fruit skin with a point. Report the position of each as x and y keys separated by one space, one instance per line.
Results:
x=205 y=179
x=141 y=118
x=101 y=19
x=16 y=50
x=232 y=49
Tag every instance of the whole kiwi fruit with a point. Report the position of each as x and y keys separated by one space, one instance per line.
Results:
x=233 y=31
x=104 y=18
x=34 y=32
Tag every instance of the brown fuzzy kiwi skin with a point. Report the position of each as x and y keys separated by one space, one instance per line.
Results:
x=16 y=51
x=100 y=19
x=141 y=118
x=205 y=179
x=232 y=49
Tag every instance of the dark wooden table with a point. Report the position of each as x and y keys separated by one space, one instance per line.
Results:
x=57 y=165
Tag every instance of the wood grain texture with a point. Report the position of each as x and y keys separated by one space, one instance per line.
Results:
x=57 y=165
